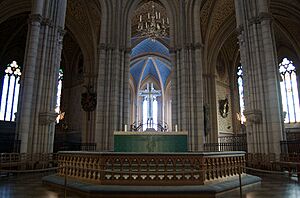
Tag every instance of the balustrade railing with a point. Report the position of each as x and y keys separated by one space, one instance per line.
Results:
x=26 y=161
x=150 y=169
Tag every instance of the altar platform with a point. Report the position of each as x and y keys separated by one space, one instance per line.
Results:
x=150 y=141
x=128 y=174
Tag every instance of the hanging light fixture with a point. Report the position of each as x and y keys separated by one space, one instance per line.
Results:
x=152 y=24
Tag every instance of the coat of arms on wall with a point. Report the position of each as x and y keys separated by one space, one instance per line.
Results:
x=89 y=99
x=224 y=107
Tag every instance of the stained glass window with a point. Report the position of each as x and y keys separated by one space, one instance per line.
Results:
x=58 y=95
x=10 y=92
x=241 y=115
x=289 y=91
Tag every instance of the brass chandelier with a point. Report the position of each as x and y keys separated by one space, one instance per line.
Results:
x=152 y=25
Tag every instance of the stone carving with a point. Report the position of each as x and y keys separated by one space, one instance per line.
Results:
x=224 y=107
x=89 y=99
x=206 y=111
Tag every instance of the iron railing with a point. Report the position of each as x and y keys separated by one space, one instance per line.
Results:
x=292 y=146
x=69 y=146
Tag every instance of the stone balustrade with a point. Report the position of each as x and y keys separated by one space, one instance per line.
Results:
x=27 y=161
x=111 y=168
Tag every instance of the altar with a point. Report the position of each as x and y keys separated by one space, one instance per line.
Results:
x=129 y=141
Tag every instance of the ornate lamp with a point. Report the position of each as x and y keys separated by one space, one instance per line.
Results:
x=152 y=25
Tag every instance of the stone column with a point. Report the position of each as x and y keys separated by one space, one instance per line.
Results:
x=187 y=78
x=211 y=110
x=36 y=116
x=113 y=78
x=261 y=83
x=187 y=92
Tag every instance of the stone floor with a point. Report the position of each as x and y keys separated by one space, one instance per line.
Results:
x=25 y=186
x=275 y=186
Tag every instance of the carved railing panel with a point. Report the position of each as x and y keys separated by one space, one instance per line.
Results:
x=150 y=169
x=27 y=161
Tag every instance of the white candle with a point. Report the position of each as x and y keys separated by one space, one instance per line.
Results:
x=176 y=127
x=125 y=127
x=140 y=18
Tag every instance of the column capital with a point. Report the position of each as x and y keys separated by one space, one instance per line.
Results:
x=102 y=46
x=265 y=16
x=61 y=31
x=35 y=18
x=128 y=50
x=240 y=29
x=125 y=49
x=253 y=116
x=198 y=45
x=253 y=20
x=46 y=118
x=47 y=22
x=172 y=50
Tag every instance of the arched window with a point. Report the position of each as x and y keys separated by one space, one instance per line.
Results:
x=10 y=92
x=58 y=95
x=289 y=91
x=241 y=116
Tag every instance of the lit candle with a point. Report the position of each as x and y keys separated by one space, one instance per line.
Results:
x=156 y=16
x=159 y=15
x=167 y=20
x=125 y=127
x=140 y=18
x=176 y=127
x=148 y=15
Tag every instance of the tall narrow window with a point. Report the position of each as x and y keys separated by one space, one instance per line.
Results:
x=145 y=113
x=149 y=106
x=10 y=92
x=289 y=91
x=58 y=95
x=242 y=117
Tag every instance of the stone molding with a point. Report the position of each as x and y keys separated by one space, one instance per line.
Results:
x=261 y=17
x=253 y=116
x=35 y=18
x=46 y=118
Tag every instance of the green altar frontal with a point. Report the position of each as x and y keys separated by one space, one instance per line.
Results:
x=150 y=141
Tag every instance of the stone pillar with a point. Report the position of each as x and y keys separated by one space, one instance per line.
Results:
x=113 y=89
x=187 y=94
x=36 y=116
x=211 y=110
x=113 y=77
x=187 y=78
x=261 y=80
